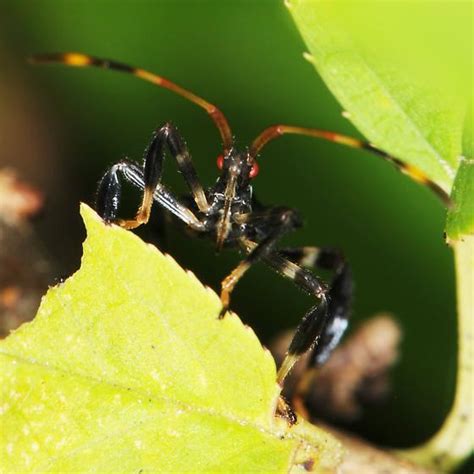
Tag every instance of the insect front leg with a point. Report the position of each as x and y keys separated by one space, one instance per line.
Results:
x=278 y=221
x=166 y=137
x=109 y=194
x=179 y=151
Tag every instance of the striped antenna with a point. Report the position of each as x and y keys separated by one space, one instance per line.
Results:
x=413 y=172
x=84 y=60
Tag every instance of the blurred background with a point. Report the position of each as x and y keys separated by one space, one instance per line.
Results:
x=61 y=128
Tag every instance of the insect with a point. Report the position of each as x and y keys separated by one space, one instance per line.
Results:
x=229 y=214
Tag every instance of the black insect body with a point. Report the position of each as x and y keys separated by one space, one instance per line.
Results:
x=229 y=214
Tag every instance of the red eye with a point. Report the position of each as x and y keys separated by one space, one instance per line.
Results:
x=254 y=170
x=220 y=161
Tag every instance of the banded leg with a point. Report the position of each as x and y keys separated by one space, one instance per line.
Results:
x=109 y=193
x=302 y=256
x=339 y=306
x=324 y=324
x=311 y=327
x=310 y=330
x=339 y=309
x=339 y=294
x=166 y=136
x=278 y=221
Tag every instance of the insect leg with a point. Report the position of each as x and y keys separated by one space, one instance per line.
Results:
x=302 y=256
x=339 y=304
x=339 y=298
x=179 y=151
x=280 y=221
x=166 y=136
x=109 y=192
x=309 y=331
x=339 y=293
x=324 y=324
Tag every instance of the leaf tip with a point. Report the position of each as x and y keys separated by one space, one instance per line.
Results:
x=89 y=216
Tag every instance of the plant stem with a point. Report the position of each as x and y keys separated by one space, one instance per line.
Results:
x=454 y=441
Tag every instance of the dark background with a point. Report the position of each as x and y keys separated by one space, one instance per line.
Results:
x=61 y=128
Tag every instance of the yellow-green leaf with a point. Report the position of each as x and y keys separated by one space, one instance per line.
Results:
x=399 y=74
x=126 y=368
